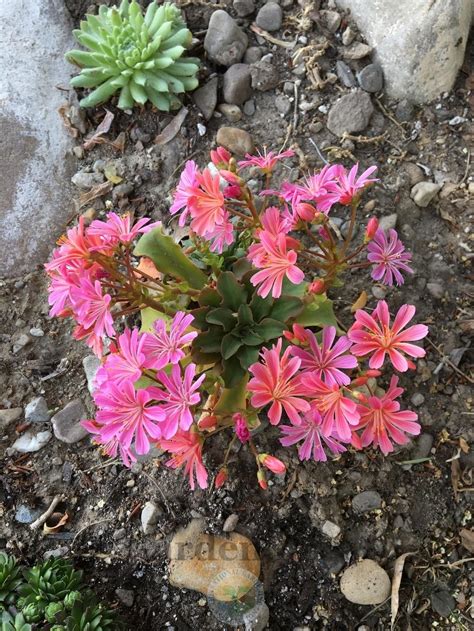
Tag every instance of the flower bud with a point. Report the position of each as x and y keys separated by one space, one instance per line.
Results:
x=373 y=373
x=221 y=478
x=318 y=286
x=305 y=211
x=230 y=177
x=273 y=464
x=220 y=156
x=360 y=381
x=371 y=229
x=262 y=481
x=319 y=218
x=359 y=396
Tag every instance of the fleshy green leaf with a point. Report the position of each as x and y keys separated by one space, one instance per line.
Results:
x=230 y=345
x=149 y=316
x=233 y=399
x=319 y=312
x=285 y=308
x=232 y=372
x=248 y=356
x=221 y=316
x=269 y=329
x=232 y=292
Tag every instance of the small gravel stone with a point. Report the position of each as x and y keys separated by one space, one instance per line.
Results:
x=244 y=7
x=67 y=423
x=379 y=292
x=356 y=50
x=264 y=76
x=253 y=54
x=30 y=442
x=348 y=36
x=87 y=181
x=365 y=583
x=345 y=74
x=283 y=104
x=333 y=561
x=122 y=190
x=225 y=42
x=237 y=86
x=119 y=534
x=423 y=445
x=270 y=17
x=126 y=596
x=388 y=222
x=330 y=20
x=35 y=332
x=233 y=113
x=404 y=111
x=205 y=98
x=26 y=515
x=249 y=108
x=331 y=530
x=91 y=365
x=424 y=192
x=235 y=140
x=230 y=523
x=436 y=290
x=366 y=501
x=149 y=517
x=21 y=342
x=415 y=174
x=37 y=411
x=351 y=113
x=9 y=416
x=57 y=553
x=417 y=399
x=443 y=602
x=299 y=70
x=289 y=88
x=370 y=78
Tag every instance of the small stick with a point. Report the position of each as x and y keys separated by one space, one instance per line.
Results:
x=448 y=361
x=47 y=514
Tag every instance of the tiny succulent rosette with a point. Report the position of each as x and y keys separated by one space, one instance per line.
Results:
x=10 y=578
x=138 y=55
x=235 y=331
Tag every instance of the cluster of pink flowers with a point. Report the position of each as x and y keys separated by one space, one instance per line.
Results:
x=154 y=388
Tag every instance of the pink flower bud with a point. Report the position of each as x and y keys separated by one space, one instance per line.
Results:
x=232 y=192
x=358 y=395
x=262 y=481
x=318 y=286
x=230 y=177
x=371 y=229
x=220 y=156
x=305 y=211
x=273 y=464
x=221 y=478
x=373 y=373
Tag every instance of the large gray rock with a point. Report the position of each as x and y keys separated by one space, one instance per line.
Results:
x=419 y=44
x=34 y=173
x=351 y=113
x=67 y=422
x=225 y=42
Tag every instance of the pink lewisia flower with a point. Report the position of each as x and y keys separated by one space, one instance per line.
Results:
x=276 y=264
x=310 y=432
x=59 y=292
x=177 y=398
x=241 y=428
x=322 y=188
x=338 y=412
x=266 y=161
x=274 y=382
x=125 y=414
x=92 y=307
x=187 y=447
x=207 y=203
x=349 y=185
x=222 y=235
x=373 y=334
x=112 y=447
x=74 y=249
x=129 y=360
x=325 y=361
x=389 y=257
x=120 y=228
x=164 y=347
x=382 y=420
x=93 y=341
x=185 y=190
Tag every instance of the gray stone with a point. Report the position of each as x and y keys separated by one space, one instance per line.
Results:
x=366 y=501
x=119 y=534
x=26 y=515
x=91 y=365
x=30 y=442
x=424 y=192
x=205 y=98
x=365 y=583
x=423 y=446
x=57 y=553
x=126 y=596
x=345 y=74
x=230 y=523
x=331 y=530
x=330 y=20
x=253 y=54
x=235 y=140
x=249 y=108
x=348 y=36
x=283 y=104
x=436 y=290
x=415 y=174
x=67 y=423
x=244 y=7
x=233 y=113
x=351 y=113
x=37 y=411
x=257 y=618
x=237 y=86
x=225 y=42
x=36 y=332
x=34 y=166
x=21 y=342
x=388 y=222
x=419 y=45
x=357 y=50
x=417 y=399
x=9 y=416
x=264 y=76
x=404 y=111
x=270 y=17
x=370 y=78
x=122 y=190
x=149 y=517
x=86 y=181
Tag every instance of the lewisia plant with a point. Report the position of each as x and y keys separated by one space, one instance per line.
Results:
x=229 y=328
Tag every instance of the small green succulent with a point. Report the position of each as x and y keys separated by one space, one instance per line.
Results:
x=89 y=615
x=33 y=612
x=52 y=611
x=10 y=578
x=140 y=55
x=17 y=623
x=49 y=582
x=235 y=323
x=71 y=599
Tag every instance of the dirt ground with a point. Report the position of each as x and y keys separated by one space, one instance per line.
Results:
x=424 y=505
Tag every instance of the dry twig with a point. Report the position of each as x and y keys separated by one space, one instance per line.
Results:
x=47 y=514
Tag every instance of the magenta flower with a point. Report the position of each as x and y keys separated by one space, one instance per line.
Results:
x=164 y=347
x=275 y=264
x=266 y=161
x=241 y=428
x=112 y=447
x=93 y=341
x=125 y=415
x=325 y=361
x=127 y=363
x=59 y=292
x=339 y=412
x=314 y=440
x=382 y=420
x=373 y=335
x=75 y=249
x=275 y=382
x=222 y=235
x=322 y=188
x=187 y=447
x=349 y=185
x=389 y=258
x=92 y=307
x=120 y=229
x=184 y=191
x=177 y=398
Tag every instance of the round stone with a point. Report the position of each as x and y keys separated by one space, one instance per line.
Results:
x=365 y=583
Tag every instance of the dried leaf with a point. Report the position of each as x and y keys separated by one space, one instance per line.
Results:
x=360 y=302
x=63 y=112
x=97 y=191
x=148 y=267
x=170 y=131
x=464 y=445
x=467 y=539
x=110 y=173
x=55 y=523
x=102 y=129
x=119 y=142
x=279 y=42
x=396 y=581
x=455 y=477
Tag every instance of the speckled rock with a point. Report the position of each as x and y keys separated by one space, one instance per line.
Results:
x=365 y=583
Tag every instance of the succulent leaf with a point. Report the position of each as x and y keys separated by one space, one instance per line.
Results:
x=128 y=53
x=10 y=578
